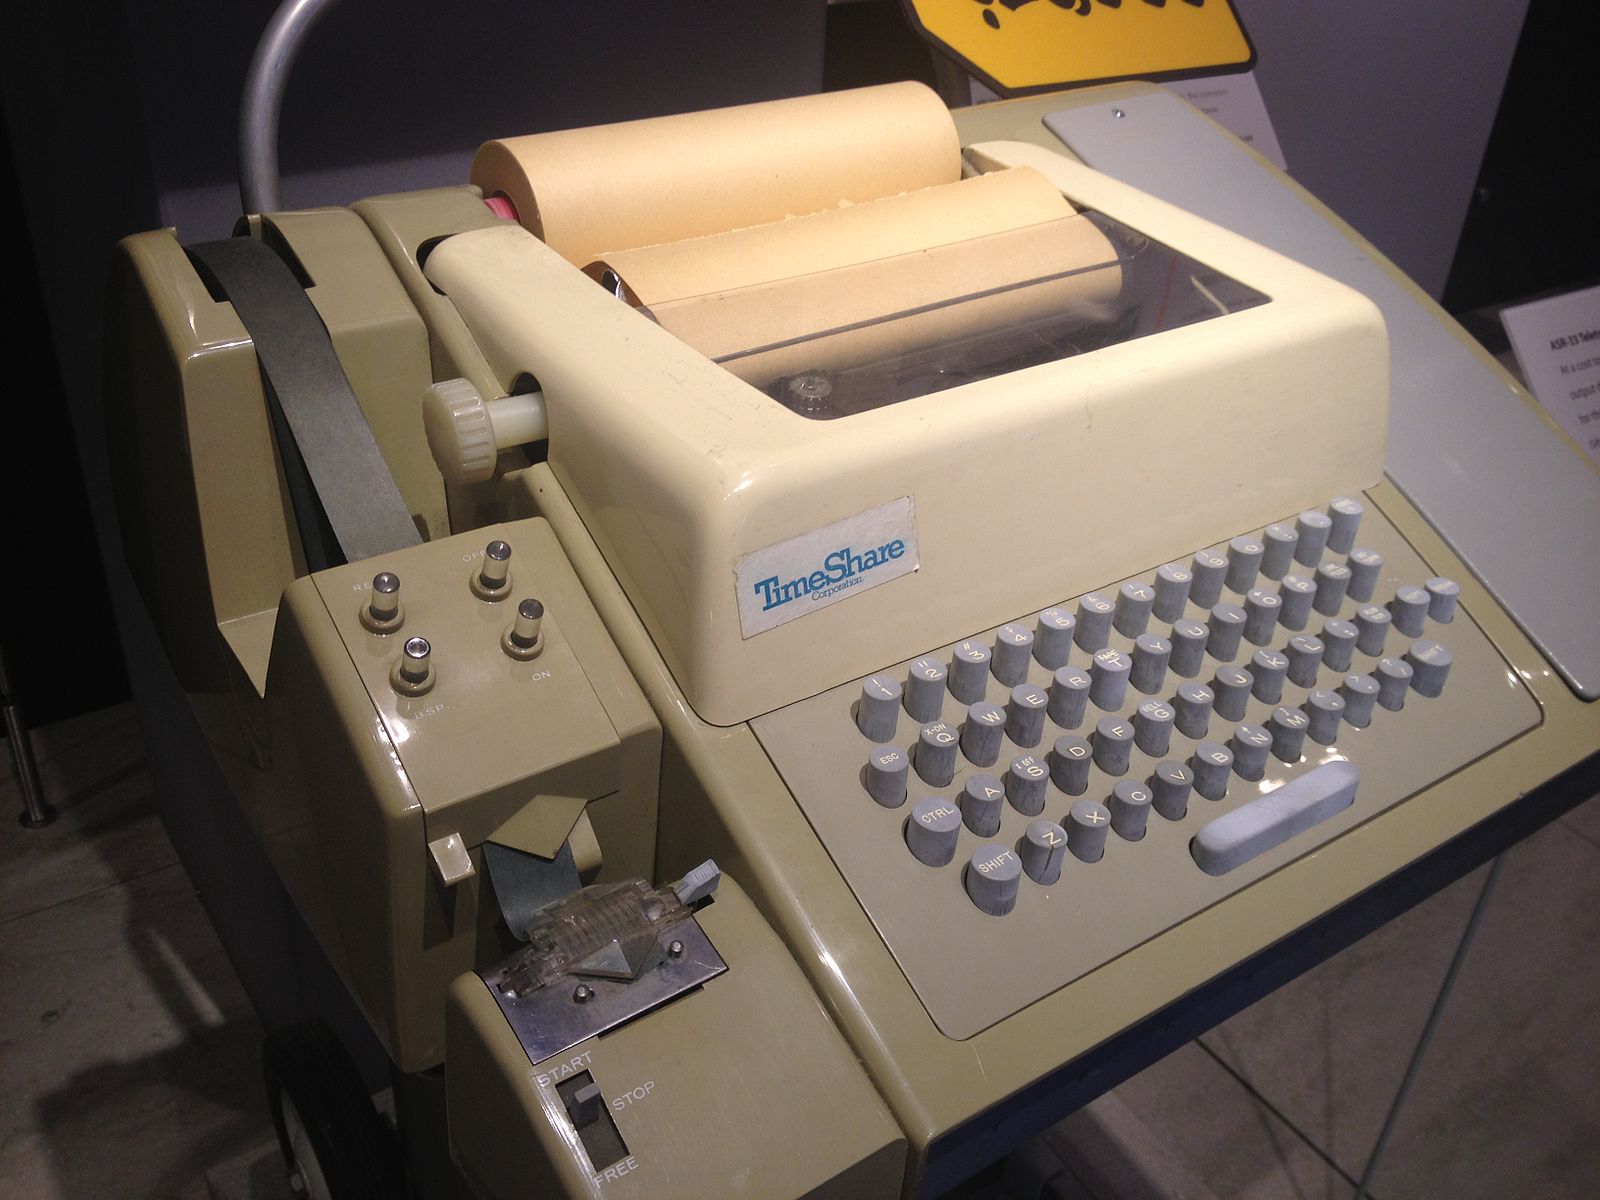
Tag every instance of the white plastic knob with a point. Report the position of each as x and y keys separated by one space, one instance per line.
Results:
x=466 y=432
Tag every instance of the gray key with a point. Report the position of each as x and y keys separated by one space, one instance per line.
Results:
x=981 y=733
x=932 y=830
x=1338 y=643
x=1430 y=666
x=1333 y=580
x=1135 y=599
x=1366 y=566
x=992 y=877
x=1052 y=637
x=1169 y=789
x=1297 y=592
x=1108 y=678
x=1152 y=727
x=1313 y=528
x=886 y=776
x=1025 y=714
x=1288 y=729
x=1189 y=639
x=1013 y=646
x=1250 y=744
x=1191 y=707
x=935 y=754
x=1210 y=570
x=878 y=710
x=1094 y=622
x=1443 y=595
x=1043 y=846
x=969 y=672
x=1244 y=561
x=1325 y=711
x=1025 y=784
x=981 y=798
x=1372 y=626
x=1360 y=692
x=1070 y=759
x=1130 y=809
x=1113 y=743
x=1212 y=764
x=1345 y=514
x=1280 y=541
x=1226 y=624
x=1304 y=653
x=1151 y=654
x=1394 y=681
x=1231 y=686
x=1172 y=591
x=1409 y=608
x=1260 y=615
x=1268 y=821
x=1087 y=824
x=924 y=688
x=1069 y=693
x=1268 y=669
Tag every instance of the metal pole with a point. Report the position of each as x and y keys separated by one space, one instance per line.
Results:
x=262 y=103
x=1413 y=1068
x=38 y=812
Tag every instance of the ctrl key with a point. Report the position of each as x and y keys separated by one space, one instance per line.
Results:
x=931 y=831
x=1268 y=821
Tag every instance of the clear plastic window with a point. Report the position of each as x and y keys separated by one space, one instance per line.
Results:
x=851 y=340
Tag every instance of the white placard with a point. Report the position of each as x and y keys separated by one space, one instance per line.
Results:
x=812 y=570
x=1557 y=344
x=1235 y=103
x=1232 y=101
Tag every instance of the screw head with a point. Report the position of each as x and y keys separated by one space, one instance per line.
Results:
x=582 y=994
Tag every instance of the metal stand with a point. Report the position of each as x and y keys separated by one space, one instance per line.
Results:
x=38 y=812
x=1413 y=1068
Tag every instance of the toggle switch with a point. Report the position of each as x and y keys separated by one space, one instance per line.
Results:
x=414 y=675
x=383 y=613
x=523 y=638
x=492 y=578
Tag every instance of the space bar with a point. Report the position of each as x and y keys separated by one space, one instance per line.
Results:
x=1270 y=820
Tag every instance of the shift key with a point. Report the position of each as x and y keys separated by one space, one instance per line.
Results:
x=1252 y=829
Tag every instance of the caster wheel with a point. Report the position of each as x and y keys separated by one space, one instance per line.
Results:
x=334 y=1143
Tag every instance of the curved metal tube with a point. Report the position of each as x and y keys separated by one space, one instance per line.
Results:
x=262 y=103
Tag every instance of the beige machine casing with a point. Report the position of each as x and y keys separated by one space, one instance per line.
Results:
x=679 y=469
x=639 y=754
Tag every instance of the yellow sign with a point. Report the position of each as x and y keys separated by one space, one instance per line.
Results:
x=1029 y=45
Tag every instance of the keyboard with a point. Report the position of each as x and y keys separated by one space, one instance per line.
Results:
x=1017 y=809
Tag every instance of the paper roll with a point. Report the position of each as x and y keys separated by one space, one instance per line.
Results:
x=663 y=179
x=875 y=280
x=653 y=276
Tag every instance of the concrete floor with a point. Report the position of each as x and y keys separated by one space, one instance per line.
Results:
x=128 y=1053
